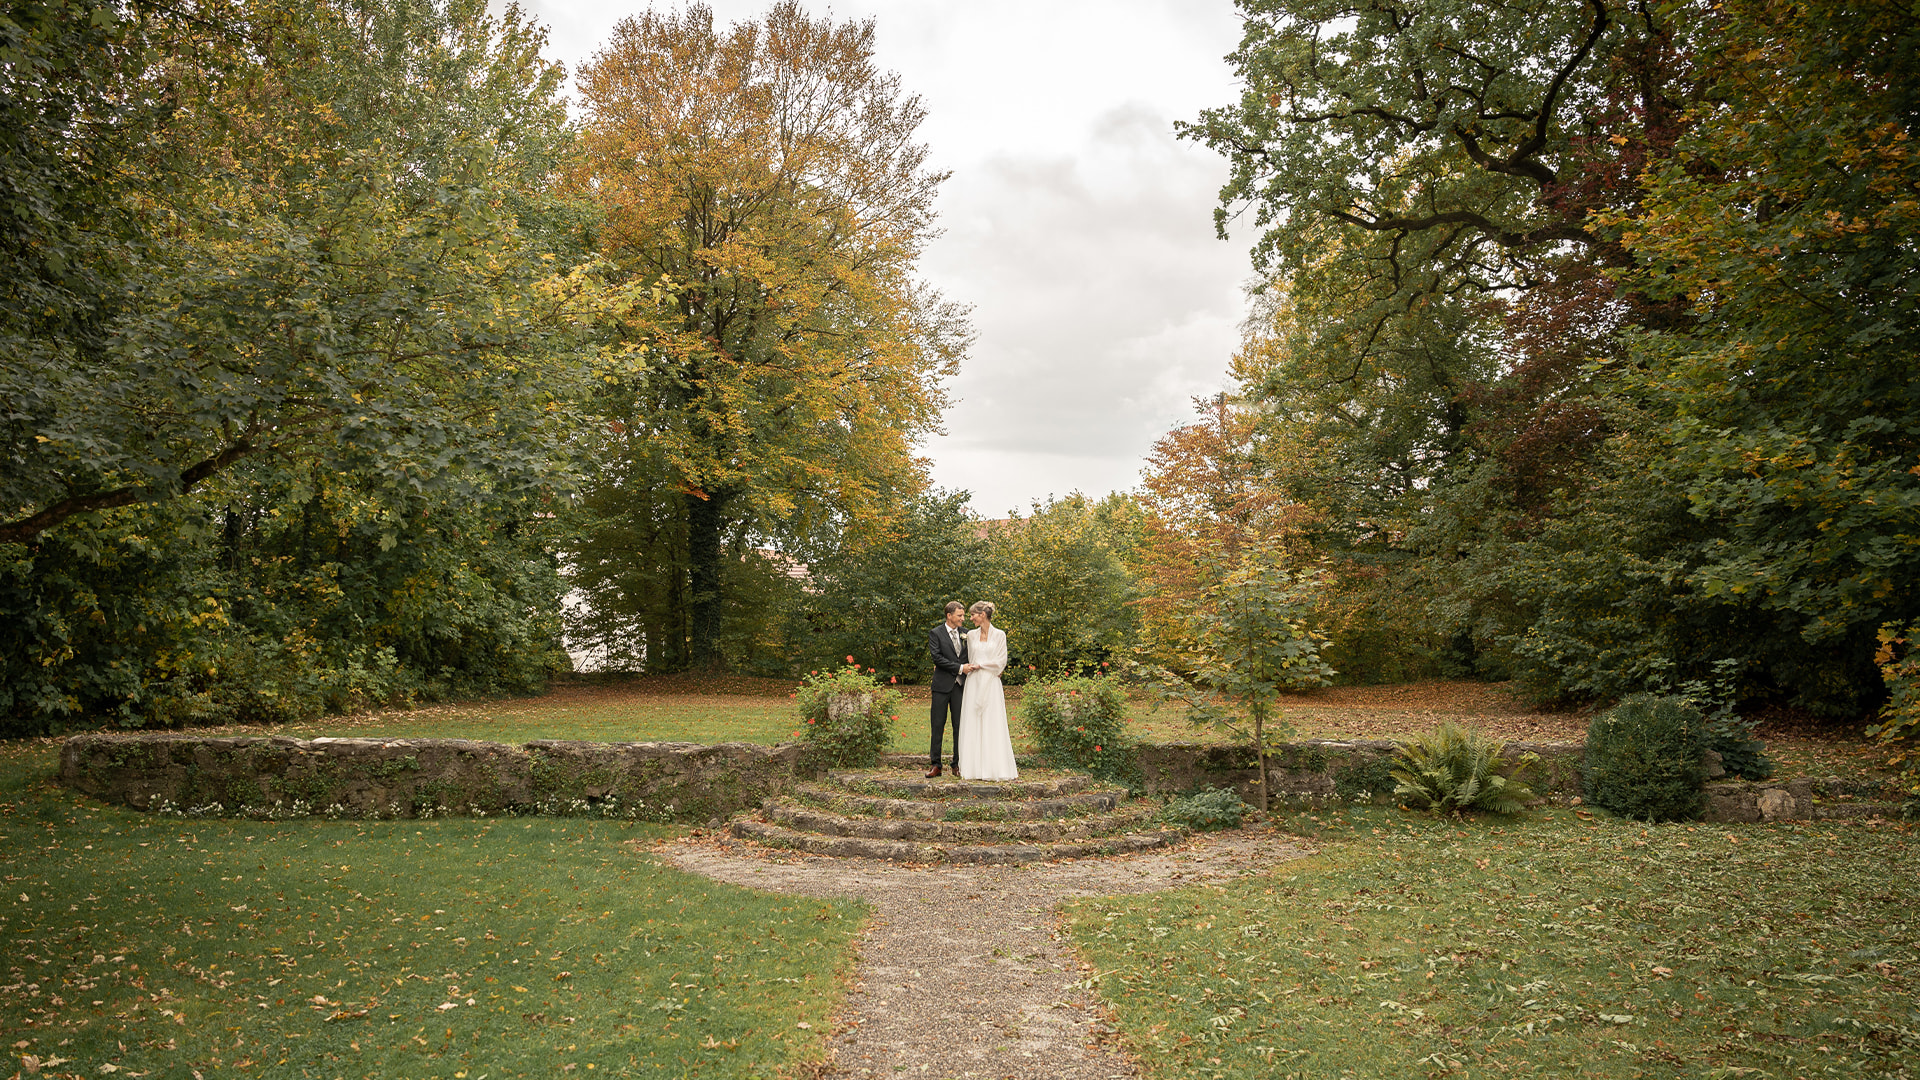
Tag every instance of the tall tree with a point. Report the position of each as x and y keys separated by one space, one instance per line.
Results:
x=1624 y=377
x=288 y=335
x=336 y=246
x=1789 y=407
x=1424 y=174
x=765 y=202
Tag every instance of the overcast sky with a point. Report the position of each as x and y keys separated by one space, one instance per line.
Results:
x=1077 y=228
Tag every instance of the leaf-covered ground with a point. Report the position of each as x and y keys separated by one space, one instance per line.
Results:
x=1559 y=944
x=512 y=947
x=729 y=707
x=457 y=948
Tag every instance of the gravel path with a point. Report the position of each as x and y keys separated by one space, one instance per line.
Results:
x=963 y=971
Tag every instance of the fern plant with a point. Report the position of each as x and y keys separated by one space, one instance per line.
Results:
x=1451 y=769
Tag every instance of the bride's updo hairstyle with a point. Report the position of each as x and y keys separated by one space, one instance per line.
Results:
x=983 y=607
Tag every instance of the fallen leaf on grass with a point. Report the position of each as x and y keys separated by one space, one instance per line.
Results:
x=347 y=1014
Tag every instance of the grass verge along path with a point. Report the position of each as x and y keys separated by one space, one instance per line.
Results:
x=1558 y=944
x=441 y=948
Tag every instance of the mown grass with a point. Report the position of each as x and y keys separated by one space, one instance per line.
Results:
x=678 y=709
x=471 y=948
x=456 y=948
x=1558 y=944
x=678 y=718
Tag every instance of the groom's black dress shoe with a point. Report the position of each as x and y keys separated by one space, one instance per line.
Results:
x=934 y=773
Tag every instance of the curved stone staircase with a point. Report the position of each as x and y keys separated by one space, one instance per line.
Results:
x=894 y=813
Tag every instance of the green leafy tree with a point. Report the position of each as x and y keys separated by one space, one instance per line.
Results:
x=1591 y=320
x=342 y=253
x=1251 y=643
x=273 y=595
x=1063 y=582
x=1424 y=177
x=1789 y=407
x=876 y=600
x=299 y=326
x=765 y=205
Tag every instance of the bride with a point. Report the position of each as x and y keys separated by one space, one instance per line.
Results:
x=986 y=750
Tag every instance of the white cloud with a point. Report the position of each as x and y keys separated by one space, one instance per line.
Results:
x=1076 y=226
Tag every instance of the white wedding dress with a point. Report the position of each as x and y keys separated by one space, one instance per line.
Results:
x=986 y=750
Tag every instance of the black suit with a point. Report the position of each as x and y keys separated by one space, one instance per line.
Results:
x=947 y=685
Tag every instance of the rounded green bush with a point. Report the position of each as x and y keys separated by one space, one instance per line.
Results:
x=1644 y=759
x=846 y=717
x=1080 y=722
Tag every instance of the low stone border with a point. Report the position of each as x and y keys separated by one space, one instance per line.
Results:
x=273 y=776
x=381 y=778
x=1315 y=771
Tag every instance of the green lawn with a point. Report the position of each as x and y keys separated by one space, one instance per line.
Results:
x=1558 y=944
x=1561 y=943
x=455 y=948
x=676 y=709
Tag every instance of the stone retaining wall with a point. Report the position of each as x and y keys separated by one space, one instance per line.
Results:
x=1321 y=770
x=368 y=778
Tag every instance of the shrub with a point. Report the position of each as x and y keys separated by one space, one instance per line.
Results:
x=1643 y=759
x=847 y=717
x=1364 y=780
x=1722 y=730
x=1079 y=722
x=1215 y=808
x=1899 y=728
x=1451 y=769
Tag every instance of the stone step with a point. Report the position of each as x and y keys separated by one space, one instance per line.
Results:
x=914 y=852
x=800 y=817
x=1078 y=804
x=915 y=786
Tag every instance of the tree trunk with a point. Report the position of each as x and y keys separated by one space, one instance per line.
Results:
x=706 y=524
x=1260 y=750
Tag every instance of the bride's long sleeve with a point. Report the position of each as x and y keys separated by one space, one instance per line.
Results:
x=993 y=654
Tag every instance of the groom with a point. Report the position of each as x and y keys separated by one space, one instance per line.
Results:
x=949 y=648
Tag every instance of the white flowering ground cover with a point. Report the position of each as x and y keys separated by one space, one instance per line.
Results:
x=460 y=948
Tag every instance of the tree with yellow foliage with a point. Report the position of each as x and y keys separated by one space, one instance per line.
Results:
x=765 y=203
